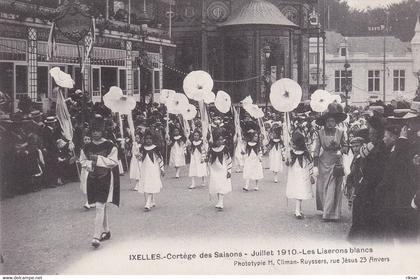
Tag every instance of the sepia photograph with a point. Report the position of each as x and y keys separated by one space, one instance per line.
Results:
x=209 y=137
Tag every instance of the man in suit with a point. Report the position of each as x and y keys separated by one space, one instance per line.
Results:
x=395 y=192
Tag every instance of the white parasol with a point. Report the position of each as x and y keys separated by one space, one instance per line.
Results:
x=209 y=97
x=285 y=95
x=189 y=112
x=320 y=100
x=197 y=84
x=61 y=78
x=176 y=103
x=165 y=95
x=222 y=102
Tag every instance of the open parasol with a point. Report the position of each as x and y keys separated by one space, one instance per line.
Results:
x=285 y=95
x=197 y=84
x=188 y=112
x=176 y=103
x=61 y=78
x=119 y=103
x=320 y=100
x=222 y=102
x=166 y=95
x=209 y=97
x=253 y=110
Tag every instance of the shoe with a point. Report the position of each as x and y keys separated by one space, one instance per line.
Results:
x=153 y=205
x=299 y=216
x=256 y=189
x=219 y=207
x=93 y=205
x=276 y=181
x=147 y=208
x=105 y=236
x=245 y=189
x=96 y=242
x=87 y=206
x=191 y=187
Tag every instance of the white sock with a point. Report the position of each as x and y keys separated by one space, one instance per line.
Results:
x=99 y=219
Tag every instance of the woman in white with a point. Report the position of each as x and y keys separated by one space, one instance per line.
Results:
x=178 y=149
x=299 y=178
x=253 y=169
x=275 y=154
x=151 y=170
x=198 y=167
x=220 y=167
x=135 y=163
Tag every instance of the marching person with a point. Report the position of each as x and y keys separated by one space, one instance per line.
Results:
x=84 y=175
x=299 y=178
x=134 y=163
x=49 y=138
x=253 y=169
x=198 y=167
x=101 y=157
x=328 y=164
x=275 y=153
x=151 y=170
x=220 y=167
x=178 y=149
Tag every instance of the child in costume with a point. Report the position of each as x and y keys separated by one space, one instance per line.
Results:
x=220 y=167
x=134 y=163
x=151 y=170
x=299 y=179
x=101 y=158
x=275 y=153
x=178 y=149
x=253 y=169
x=198 y=167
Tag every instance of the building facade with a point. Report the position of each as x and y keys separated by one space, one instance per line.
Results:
x=365 y=61
x=115 y=59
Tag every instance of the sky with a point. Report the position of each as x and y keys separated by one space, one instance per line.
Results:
x=362 y=4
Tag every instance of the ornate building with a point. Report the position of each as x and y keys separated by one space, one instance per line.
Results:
x=244 y=44
x=128 y=52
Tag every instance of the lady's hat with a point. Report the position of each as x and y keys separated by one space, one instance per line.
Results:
x=50 y=119
x=298 y=140
x=35 y=114
x=376 y=121
x=334 y=111
x=98 y=123
x=414 y=110
x=399 y=114
x=357 y=141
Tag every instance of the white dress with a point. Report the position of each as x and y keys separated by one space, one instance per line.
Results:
x=253 y=169
x=275 y=156
x=135 y=163
x=298 y=179
x=198 y=167
x=150 y=179
x=218 y=181
x=177 y=156
x=239 y=157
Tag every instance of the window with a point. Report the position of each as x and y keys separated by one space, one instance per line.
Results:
x=21 y=79
x=374 y=80
x=313 y=58
x=399 y=80
x=343 y=51
x=135 y=78
x=95 y=79
x=123 y=80
x=42 y=81
x=340 y=80
x=157 y=81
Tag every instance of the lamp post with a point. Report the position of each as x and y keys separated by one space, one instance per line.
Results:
x=143 y=57
x=267 y=75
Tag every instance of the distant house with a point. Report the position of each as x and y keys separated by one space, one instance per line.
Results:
x=365 y=74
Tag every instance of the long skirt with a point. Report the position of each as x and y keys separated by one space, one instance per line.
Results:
x=328 y=187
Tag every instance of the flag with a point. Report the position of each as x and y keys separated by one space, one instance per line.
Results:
x=51 y=46
x=63 y=117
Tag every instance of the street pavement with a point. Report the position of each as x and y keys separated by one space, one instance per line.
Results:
x=44 y=232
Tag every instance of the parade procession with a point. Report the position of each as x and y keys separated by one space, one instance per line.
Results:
x=243 y=146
